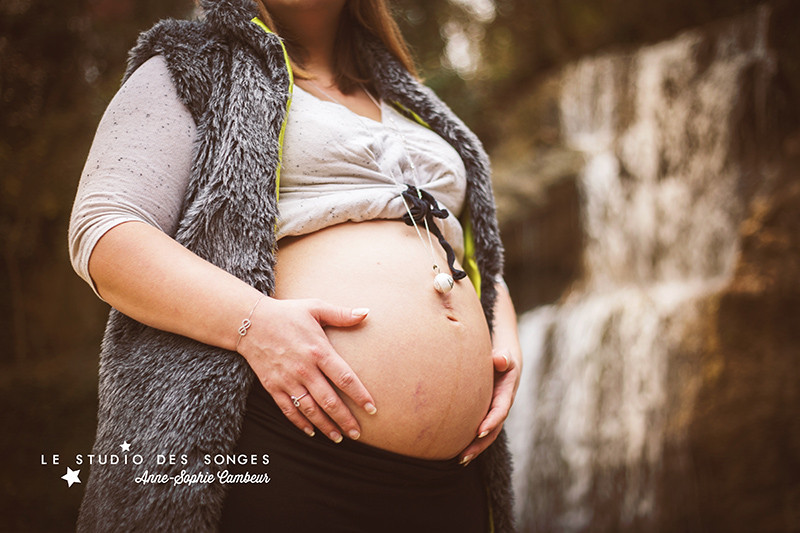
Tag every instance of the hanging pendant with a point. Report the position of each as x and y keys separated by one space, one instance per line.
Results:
x=443 y=283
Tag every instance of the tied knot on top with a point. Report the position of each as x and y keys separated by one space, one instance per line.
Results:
x=423 y=207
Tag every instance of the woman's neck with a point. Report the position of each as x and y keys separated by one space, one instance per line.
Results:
x=313 y=28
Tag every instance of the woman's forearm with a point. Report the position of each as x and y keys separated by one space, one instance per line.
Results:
x=148 y=276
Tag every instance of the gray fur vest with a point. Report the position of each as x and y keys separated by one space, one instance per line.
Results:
x=169 y=395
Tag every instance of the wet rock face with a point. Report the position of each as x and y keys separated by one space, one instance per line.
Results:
x=536 y=186
x=744 y=433
x=662 y=379
x=542 y=230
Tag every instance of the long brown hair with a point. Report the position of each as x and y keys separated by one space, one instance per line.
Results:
x=351 y=68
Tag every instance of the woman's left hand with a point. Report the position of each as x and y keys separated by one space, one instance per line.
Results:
x=506 y=380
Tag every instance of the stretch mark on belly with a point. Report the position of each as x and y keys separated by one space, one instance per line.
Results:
x=431 y=430
x=419 y=398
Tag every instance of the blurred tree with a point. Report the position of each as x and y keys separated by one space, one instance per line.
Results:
x=524 y=38
x=60 y=62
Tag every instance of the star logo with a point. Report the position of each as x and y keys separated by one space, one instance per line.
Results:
x=126 y=446
x=71 y=476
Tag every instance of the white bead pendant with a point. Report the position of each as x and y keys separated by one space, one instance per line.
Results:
x=443 y=283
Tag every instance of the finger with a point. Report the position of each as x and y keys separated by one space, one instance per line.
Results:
x=502 y=361
x=345 y=379
x=310 y=410
x=294 y=415
x=494 y=419
x=478 y=446
x=498 y=411
x=332 y=315
x=329 y=413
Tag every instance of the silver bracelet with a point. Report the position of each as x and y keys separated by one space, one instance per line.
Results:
x=246 y=323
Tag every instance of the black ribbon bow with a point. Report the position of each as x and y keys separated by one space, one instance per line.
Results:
x=423 y=206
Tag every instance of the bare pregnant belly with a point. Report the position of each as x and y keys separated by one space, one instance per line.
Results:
x=424 y=357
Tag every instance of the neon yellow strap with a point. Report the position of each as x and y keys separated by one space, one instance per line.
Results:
x=470 y=265
x=416 y=117
x=258 y=22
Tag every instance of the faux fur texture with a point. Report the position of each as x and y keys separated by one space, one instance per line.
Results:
x=167 y=394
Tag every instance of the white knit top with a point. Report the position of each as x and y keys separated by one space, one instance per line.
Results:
x=337 y=166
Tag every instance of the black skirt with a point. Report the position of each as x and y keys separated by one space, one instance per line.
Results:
x=317 y=485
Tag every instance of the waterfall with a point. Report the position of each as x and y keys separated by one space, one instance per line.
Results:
x=660 y=215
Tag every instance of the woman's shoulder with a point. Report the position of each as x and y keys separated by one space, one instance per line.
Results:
x=151 y=82
x=203 y=53
x=152 y=70
x=180 y=52
x=174 y=40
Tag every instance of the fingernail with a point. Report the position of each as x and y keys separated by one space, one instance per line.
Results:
x=354 y=434
x=370 y=409
x=309 y=432
x=336 y=437
x=483 y=434
x=465 y=460
x=508 y=361
x=360 y=311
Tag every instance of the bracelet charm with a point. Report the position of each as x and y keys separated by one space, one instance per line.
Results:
x=246 y=323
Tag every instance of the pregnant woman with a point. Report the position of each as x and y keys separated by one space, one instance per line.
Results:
x=299 y=244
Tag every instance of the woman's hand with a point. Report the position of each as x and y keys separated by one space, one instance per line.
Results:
x=289 y=351
x=506 y=380
x=507 y=359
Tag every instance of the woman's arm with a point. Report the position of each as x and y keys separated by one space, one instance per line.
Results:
x=127 y=206
x=507 y=358
x=148 y=276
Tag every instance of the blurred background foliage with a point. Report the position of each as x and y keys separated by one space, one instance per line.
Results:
x=60 y=64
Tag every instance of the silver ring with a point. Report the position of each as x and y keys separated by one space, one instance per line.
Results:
x=296 y=399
